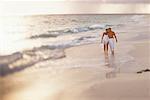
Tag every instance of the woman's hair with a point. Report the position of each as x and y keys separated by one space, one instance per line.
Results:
x=109 y=28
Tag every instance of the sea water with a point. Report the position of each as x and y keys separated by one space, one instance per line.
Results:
x=27 y=40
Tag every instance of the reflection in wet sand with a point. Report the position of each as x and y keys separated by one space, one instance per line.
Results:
x=110 y=62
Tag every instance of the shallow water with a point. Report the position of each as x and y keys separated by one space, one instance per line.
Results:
x=28 y=40
x=25 y=32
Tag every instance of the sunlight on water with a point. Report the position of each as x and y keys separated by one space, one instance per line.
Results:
x=13 y=34
x=8 y=34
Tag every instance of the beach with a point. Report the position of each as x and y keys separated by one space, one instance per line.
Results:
x=76 y=67
x=83 y=83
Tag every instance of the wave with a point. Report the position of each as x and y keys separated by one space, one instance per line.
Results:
x=71 y=43
x=21 y=60
x=55 y=33
x=137 y=18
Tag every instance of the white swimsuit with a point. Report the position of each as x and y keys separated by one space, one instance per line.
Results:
x=105 y=39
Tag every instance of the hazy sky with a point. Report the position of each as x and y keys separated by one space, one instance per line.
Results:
x=121 y=1
x=27 y=7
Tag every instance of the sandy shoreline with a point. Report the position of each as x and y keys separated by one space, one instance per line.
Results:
x=72 y=72
x=102 y=81
x=81 y=84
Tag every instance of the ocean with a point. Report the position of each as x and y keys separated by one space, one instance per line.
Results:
x=28 y=40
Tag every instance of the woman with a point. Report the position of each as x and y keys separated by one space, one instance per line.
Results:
x=105 y=40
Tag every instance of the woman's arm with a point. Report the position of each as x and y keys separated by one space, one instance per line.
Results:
x=102 y=38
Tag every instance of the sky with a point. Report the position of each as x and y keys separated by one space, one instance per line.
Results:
x=33 y=7
x=121 y=1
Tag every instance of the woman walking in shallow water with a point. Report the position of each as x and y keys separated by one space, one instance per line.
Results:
x=104 y=40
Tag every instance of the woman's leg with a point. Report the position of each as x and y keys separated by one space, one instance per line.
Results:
x=104 y=48
x=107 y=47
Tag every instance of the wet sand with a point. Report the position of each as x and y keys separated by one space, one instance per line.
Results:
x=108 y=81
x=81 y=84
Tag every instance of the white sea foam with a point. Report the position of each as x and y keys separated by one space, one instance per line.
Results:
x=55 y=33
